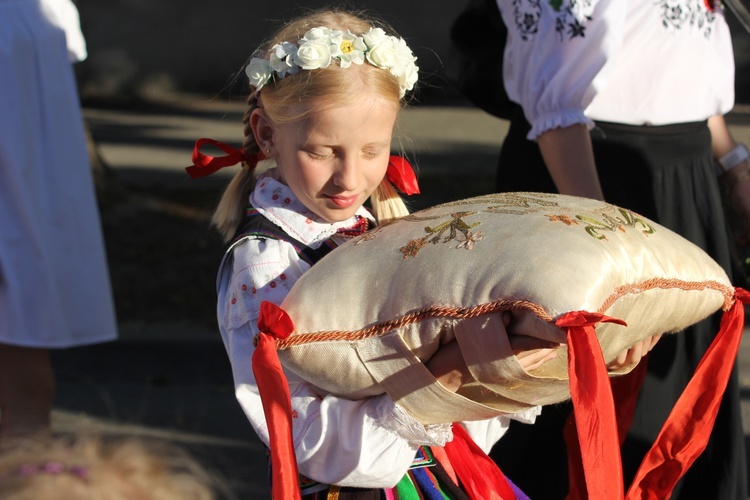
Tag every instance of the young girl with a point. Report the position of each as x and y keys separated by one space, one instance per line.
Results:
x=326 y=92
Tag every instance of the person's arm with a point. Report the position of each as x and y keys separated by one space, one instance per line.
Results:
x=737 y=178
x=365 y=443
x=569 y=157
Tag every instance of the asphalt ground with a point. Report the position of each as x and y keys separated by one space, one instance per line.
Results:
x=168 y=377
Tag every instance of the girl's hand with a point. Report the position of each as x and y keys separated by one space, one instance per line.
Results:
x=634 y=355
x=533 y=340
x=448 y=366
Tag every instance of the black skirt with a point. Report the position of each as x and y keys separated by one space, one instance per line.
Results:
x=667 y=174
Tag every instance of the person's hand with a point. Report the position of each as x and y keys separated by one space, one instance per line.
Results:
x=633 y=356
x=448 y=366
x=738 y=195
x=533 y=340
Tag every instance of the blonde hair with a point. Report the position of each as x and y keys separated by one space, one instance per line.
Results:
x=301 y=96
x=94 y=469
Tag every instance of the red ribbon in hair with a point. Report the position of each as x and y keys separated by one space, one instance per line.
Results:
x=204 y=165
x=401 y=174
x=274 y=323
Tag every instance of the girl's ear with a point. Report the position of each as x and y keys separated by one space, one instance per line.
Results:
x=262 y=130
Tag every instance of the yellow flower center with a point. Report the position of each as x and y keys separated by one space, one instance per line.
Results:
x=347 y=47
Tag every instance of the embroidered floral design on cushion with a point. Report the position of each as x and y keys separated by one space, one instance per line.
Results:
x=457 y=230
x=687 y=14
x=614 y=223
x=571 y=17
x=412 y=248
x=519 y=204
x=565 y=219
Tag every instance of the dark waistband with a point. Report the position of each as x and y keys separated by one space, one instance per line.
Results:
x=671 y=129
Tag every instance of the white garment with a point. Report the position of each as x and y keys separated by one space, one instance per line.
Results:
x=54 y=282
x=369 y=443
x=636 y=62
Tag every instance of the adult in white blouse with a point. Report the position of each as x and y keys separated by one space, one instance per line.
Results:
x=624 y=100
x=54 y=281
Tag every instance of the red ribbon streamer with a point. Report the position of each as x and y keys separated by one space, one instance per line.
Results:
x=274 y=323
x=401 y=174
x=204 y=165
x=685 y=433
x=478 y=473
x=593 y=405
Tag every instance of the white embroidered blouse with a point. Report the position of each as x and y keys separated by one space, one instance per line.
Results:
x=369 y=443
x=636 y=62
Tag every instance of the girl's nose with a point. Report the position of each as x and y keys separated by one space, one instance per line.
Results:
x=346 y=175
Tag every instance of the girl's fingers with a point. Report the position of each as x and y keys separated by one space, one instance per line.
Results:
x=531 y=360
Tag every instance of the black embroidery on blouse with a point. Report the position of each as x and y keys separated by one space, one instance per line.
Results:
x=571 y=17
x=682 y=14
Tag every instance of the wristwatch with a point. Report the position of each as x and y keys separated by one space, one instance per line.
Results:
x=734 y=157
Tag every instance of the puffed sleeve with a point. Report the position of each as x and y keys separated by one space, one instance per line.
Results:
x=366 y=443
x=555 y=56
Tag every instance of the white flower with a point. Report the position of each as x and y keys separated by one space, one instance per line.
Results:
x=374 y=36
x=313 y=53
x=282 y=59
x=348 y=48
x=321 y=46
x=321 y=33
x=383 y=55
x=259 y=71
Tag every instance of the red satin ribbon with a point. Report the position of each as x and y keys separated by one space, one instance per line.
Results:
x=273 y=387
x=625 y=393
x=685 y=433
x=479 y=475
x=593 y=406
x=204 y=165
x=401 y=174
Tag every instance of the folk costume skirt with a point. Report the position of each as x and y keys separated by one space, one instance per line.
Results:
x=54 y=281
x=665 y=173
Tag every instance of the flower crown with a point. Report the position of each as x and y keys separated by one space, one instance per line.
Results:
x=322 y=46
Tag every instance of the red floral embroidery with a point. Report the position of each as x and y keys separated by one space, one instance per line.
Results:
x=295 y=415
x=282 y=276
x=272 y=284
x=287 y=200
x=244 y=288
x=234 y=300
x=275 y=197
x=254 y=290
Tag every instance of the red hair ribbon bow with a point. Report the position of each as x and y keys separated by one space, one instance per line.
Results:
x=204 y=165
x=401 y=174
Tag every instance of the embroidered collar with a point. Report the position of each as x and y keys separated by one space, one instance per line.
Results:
x=279 y=205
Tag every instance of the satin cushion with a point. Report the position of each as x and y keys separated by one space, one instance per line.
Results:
x=369 y=314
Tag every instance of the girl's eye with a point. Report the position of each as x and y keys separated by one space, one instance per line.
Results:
x=371 y=154
x=318 y=155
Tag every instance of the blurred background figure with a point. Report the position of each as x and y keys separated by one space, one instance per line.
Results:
x=54 y=281
x=624 y=101
x=92 y=468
